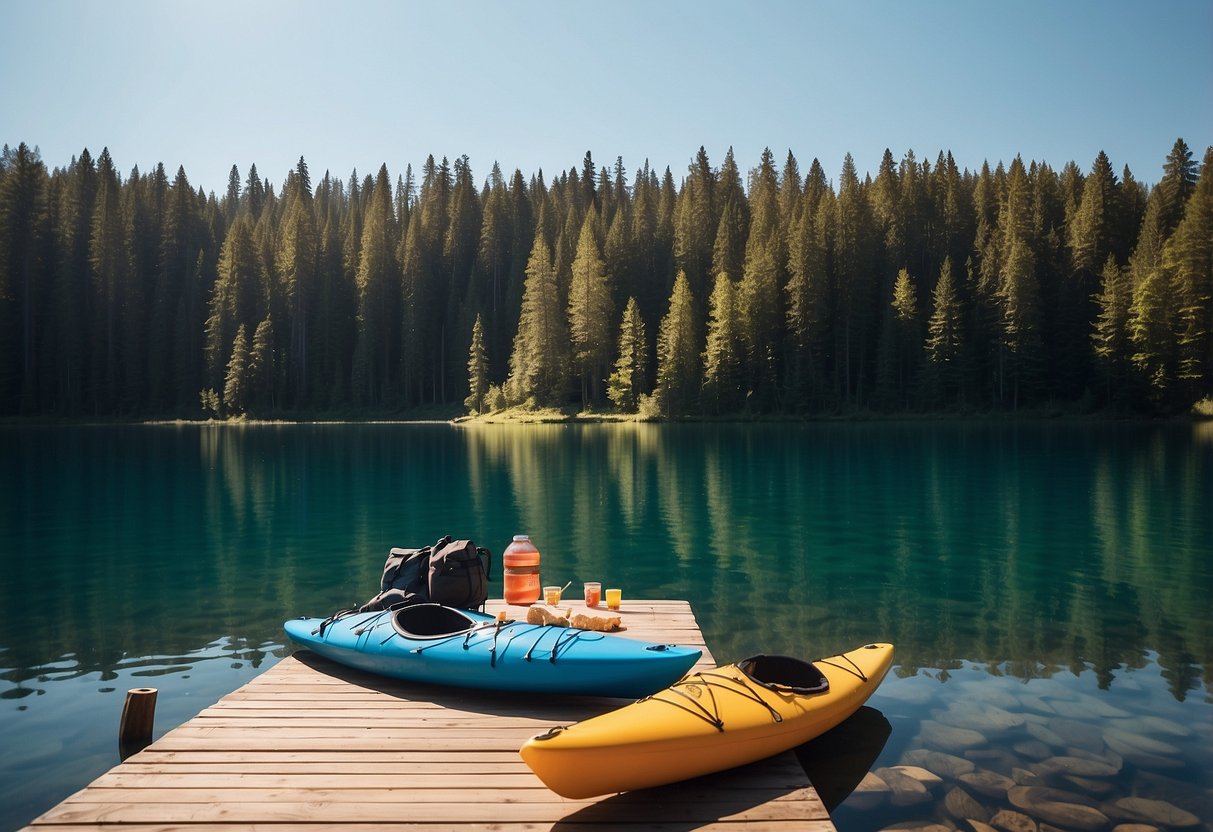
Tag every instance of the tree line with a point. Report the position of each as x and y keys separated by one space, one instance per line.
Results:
x=923 y=288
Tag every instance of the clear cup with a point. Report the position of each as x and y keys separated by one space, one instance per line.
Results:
x=614 y=597
x=551 y=595
x=593 y=593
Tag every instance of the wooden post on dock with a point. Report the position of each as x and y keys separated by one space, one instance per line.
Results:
x=138 y=716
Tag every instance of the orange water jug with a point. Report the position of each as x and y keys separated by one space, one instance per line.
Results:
x=521 y=569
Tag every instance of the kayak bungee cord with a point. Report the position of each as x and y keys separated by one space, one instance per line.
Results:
x=712 y=715
x=854 y=669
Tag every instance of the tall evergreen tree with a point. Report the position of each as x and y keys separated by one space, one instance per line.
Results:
x=906 y=335
x=478 y=371
x=627 y=383
x=108 y=262
x=945 y=339
x=538 y=363
x=23 y=234
x=377 y=282
x=236 y=381
x=591 y=310
x=808 y=301
x=1110 y=338
x=678 y=353
x=722 y=355
x=1188 y=258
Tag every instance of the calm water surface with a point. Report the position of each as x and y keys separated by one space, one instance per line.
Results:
x=1048 y=586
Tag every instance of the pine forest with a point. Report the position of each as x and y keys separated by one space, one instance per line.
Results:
x=778 y=291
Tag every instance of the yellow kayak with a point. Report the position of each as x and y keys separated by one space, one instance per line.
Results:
x=709 y=721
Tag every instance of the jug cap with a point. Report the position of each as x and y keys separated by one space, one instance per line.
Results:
x=521 y=537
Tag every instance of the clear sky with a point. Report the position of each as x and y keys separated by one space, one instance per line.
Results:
x=534 y=85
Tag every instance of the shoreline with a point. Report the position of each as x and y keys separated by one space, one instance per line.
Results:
x=552 y=416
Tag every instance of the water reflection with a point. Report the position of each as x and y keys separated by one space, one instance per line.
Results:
x=1020 y=553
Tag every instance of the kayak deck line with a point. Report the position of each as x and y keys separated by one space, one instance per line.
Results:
x=313 y=744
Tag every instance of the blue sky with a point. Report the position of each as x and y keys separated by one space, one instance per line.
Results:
x=535 y=85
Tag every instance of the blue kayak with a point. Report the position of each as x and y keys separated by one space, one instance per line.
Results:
x=447 y=646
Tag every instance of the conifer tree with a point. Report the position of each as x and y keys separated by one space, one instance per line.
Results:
x=478 y=371
x=1151 y=318
x=678 y=353
x=236 y=382
x=590 y=312
x=1110 y=338
x=945 y=340
x=695 y=224
x=906 y=336
x=538 y=363
x=22 y=234
x=761 y=313
x=1021 y=355
x=263 y=366
x=1188 y=258
x=1177 y=183
x=807 y=300
x=627 y=383
x=722 y=354
x=853 y=275
x=108 y=261
x=377 y=284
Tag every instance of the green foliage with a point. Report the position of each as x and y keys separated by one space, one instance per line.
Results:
x=627 y=383
x=478 y=371
x=678 y=353
x=539 y=361
x=945 y=346
x=722 y=355
x=123 y=296
x=591 y=311
x=236 y=382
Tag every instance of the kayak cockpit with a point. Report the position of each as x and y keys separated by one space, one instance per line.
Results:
x=424 y=621
x=784 y=674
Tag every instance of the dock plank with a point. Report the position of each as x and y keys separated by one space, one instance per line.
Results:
x=310 y=744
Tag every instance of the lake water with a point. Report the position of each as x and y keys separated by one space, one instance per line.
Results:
x=1048 y=586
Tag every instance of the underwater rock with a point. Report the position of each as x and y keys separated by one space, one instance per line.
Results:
x=869 y=794
x=918 y=826
x=997 y=758
x=1032 y=749
x=960 y=804
x=1183 y=794
x=911 y=693
x=1064 y=809
x=927 y=778
x=986 y=692
x=1011 y=821
x=1159 y=725
x=1158 y=812
x=1084 y=706
x=906 y=790
x=978 y=826
x=1043 y=733
x=947 y=766
x=1134 y=827
x=949 y=737
x=1143 y=752
x=1099 y=788
x=1118 y=739
x=1077 y=766
x=988 y=783
x=1023 y=777
x=988 y=720
x=1036 y=705
x=1079 y=734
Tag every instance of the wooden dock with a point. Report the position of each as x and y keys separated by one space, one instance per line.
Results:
x=310 y=744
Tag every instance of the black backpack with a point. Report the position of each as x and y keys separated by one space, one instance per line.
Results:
x=450 y=572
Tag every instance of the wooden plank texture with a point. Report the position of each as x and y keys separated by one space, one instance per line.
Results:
x=312 y=745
